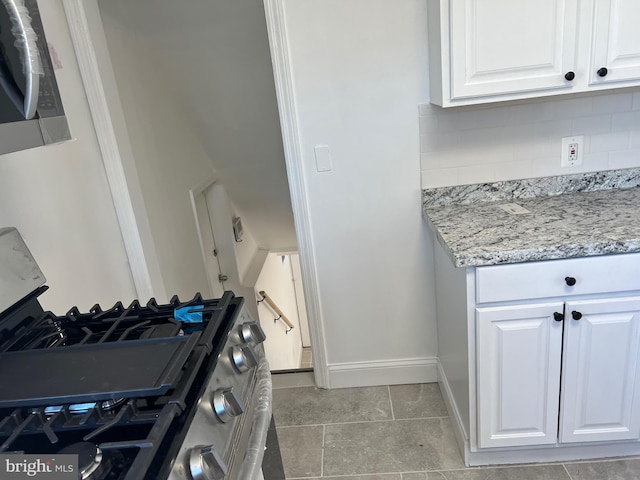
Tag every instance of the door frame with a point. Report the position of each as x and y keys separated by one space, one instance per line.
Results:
x=196 y=193
x=87 y=35
x=285 y=95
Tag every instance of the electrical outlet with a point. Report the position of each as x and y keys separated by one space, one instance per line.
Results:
x=571 y=154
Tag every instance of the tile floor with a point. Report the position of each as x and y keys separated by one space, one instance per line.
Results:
x=399 y=432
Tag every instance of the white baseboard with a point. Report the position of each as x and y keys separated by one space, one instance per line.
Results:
x=389 y=372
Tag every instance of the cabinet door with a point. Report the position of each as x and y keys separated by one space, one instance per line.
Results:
x=600 y=381
x=518 y=377
x=508 y=46
x=616 y=41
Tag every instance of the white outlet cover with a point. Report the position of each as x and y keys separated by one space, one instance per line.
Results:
x=564 y=152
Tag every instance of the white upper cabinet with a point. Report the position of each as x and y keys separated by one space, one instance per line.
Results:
x=615 y=51
x=484 y=51
x=527 y=46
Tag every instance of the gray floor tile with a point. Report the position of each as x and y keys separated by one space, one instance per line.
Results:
x=541 y=472
x=417 y=401
x=423 y=476
x=381 y=447
x=311 y=406
x=288 y=380
x=609 y=470
x=384 y=476
x=301 y=449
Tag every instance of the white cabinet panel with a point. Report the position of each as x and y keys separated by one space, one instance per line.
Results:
x=483 y=51
x=503 y=46
x=616 y=41
x=518 y=372
x=591 y=275
x=601 y=384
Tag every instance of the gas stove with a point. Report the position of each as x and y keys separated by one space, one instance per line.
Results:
x=146 y=391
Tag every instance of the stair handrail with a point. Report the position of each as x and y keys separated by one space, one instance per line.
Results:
x=276 y=309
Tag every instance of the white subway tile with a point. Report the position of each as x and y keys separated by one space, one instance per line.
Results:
x=574 y=107
x=626 y=121
x=513 y=170
x=439 y=141
x=553 y=128
x=634 y=141
x=545 y=169
x=515 y=134
x=592 y=162
x=476 y=174
x=445 y=177
x=624 y=159
x=530 y=113
x=428 y=124
x=608 y=141
x=429 y=161
x=463 y=157
x=613 y=103
x=425 y=109
x=591 y=125
x=472 y=119
x=480 y=137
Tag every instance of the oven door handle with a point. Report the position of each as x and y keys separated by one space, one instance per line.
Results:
x=252 y=463
x=31 y=65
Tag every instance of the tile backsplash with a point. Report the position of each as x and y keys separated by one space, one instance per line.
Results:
x=489 y=143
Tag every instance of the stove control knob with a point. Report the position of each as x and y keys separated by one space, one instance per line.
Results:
x=227 y=404
x=206 y=464
x=252 y=332
x=243 y=358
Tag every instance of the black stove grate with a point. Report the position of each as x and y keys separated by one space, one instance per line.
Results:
x=138 y=429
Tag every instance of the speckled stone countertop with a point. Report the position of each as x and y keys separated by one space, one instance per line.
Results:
x=567 y=216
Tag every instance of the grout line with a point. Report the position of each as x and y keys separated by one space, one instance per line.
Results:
x=568 y=474
x=362 y=421
x=393 y=415
x=322 y=453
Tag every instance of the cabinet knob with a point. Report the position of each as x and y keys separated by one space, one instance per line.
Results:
x=558 y=317
x=576 y=315
x=570 y=281
x=602 y=72
x=569 y=76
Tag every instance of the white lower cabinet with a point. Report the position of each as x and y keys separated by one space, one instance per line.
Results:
x=518 y=361
x=558 y=372
x=540 y=361
x=601 y=379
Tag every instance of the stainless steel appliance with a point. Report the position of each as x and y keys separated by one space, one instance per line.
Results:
x=31 y=112
x=155 y=391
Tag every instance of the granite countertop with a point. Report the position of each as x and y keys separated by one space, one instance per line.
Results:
x=564 y=217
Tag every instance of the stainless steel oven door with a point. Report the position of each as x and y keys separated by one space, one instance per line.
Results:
x=31 y=112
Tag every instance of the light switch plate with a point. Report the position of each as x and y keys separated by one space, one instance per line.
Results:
x=324 y=162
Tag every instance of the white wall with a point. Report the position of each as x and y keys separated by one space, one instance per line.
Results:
x=522 y=140
x=359 y=69
x=217 y=54
x=168 y=155
x=59 y=199
x=283 y=350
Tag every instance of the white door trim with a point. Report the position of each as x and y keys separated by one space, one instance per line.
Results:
x=136 y=235
x=279 y=46
x=194 y=194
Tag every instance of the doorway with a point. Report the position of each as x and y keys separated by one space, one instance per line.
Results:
x=282 y=313
x=270 y=282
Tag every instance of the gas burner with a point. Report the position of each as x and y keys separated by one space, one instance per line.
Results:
x=82 y=408
x=93 y=464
